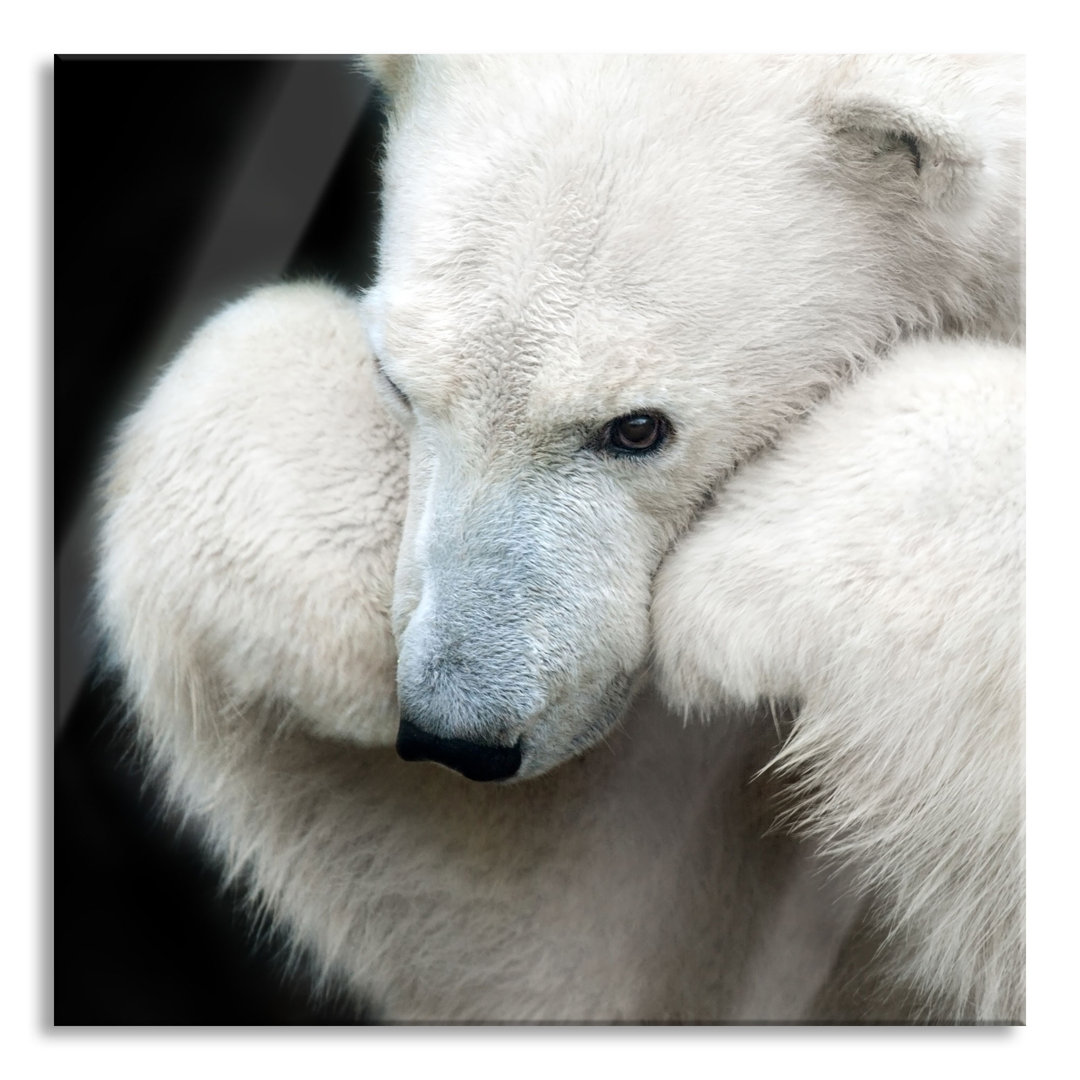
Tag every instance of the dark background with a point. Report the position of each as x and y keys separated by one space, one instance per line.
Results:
x=179 y=184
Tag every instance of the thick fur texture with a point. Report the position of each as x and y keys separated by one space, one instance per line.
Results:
x=327 y=513
x=245 y=585
x=871 y=570
x=568 y=240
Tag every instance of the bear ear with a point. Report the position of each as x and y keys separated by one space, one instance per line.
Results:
x=947 y=129
x=392 y=71
x=936 y=157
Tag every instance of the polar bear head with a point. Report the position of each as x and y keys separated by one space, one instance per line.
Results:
x=606 y=281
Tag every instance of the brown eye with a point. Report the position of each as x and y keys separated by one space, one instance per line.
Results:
x=638 y=433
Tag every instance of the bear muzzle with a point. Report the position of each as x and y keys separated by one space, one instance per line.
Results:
x=474 y=760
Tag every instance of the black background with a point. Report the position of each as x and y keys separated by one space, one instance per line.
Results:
x=179 y=183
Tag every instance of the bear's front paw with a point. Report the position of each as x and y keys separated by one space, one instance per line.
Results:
x=880 y=541
x=252 y=513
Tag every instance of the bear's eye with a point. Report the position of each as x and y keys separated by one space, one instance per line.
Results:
x=636 y=433
x=392 y=386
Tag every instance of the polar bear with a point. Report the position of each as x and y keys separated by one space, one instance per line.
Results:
x=454 y=521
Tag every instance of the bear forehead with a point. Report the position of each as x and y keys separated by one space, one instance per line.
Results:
x=542 y=161
x=524 y=360
x=554 y=228
x=521 y=191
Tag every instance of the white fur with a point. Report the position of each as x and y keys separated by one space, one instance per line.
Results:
x=871 y=570
x=568 y=239
x=565 y=240
x=244 y=588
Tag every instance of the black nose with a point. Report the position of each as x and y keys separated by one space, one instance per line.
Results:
x=475 y=760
